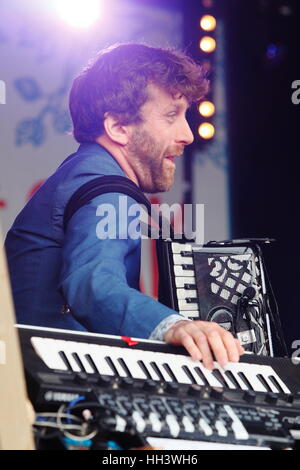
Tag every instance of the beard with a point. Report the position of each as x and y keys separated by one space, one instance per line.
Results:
x=147 y=159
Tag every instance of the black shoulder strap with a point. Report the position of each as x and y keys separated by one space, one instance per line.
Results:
x=103 y=185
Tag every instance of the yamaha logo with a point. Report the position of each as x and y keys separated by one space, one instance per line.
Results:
x=60 y=396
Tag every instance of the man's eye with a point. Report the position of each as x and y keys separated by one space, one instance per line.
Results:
x=172 y=115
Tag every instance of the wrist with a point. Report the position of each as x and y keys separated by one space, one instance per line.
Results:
x=169 y=332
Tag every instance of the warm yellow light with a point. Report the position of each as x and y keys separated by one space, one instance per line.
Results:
x=206 y=130
x=208 y=23
x=206 y=108
x=207 y=44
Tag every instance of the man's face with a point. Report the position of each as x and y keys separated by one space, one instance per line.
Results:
x=155 y=143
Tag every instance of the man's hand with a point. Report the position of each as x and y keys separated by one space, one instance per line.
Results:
x=203 y=340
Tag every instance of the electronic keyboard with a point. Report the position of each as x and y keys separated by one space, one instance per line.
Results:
x=160 y=391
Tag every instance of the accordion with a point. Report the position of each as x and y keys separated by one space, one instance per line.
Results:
x=223 y=282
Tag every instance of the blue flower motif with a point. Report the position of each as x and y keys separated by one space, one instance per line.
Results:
x=28 y=88
x=30 y=130
x=34 y=130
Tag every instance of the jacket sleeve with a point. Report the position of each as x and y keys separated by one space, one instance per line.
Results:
x=98 y=274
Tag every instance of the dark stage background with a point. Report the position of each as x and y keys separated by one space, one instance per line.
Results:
x=262 y=60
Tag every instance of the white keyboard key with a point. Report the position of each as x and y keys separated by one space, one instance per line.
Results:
x=266 y=372
x=175 y=365
x=96 y=354
x=182 y=361
x=130 y=359
x=113 y=355
x=212 y=380
x=173 y=425
x=155 y=422
x=147 y=357
x=226 y=379
x=159 y=364
x=68 y=347
x=280 y=382
x=237 y=426
x=195 y=375
x=231 y=367
x=271 y=385
x=81 y=350
x=191 y=364
x=120 y=424
x=205 y=427
x=221 y=429
x=187 y=424
x=250 y=371
x=139 y=422
x=46 y=349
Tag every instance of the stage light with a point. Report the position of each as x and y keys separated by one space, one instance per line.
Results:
x=207 y=44
x=78 y=13
x=208 y=3
x=206 y=130
x=206 y=108
x=208 y=22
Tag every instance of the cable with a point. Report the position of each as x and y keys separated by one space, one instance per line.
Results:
x=73 y=402
x=49 y=424
x=73 y=436
x=54 y=415
x=276 y=319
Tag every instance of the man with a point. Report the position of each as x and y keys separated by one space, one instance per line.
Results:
x=128 y=109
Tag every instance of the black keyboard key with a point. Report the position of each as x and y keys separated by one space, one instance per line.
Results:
x=264 y=382
x=276 y=383
x=219 y=377
x=232 y=378
x=125 y=368
x=245 y=380
x=202 y=376
x=144 y=369
x=91 y=363
x=189 y=374
x=65 y=360
x=112 y=366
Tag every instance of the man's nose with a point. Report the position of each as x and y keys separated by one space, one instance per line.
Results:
x=185 y=135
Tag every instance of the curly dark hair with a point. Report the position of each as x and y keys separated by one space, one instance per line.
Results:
x=116 y=82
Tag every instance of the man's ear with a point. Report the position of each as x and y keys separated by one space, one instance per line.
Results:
x=115 y=131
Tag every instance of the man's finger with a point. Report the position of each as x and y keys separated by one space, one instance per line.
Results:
x=231 y=346
x=204 y=348
x=218 y=348
x=192 y=348
x=240 y=347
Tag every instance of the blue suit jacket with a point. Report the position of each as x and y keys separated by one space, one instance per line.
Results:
x=99 y=279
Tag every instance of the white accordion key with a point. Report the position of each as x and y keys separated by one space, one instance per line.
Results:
x=181 y=281
x=184 y=305
x=179 y=271
x=190 y=313
x=178 y=259
x=186 y=293
x=179 y=247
